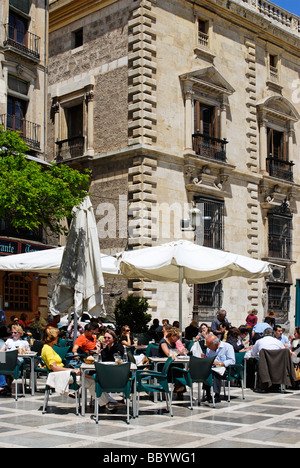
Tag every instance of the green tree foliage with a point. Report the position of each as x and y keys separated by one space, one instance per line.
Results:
x=132 y=312
x=31 y=194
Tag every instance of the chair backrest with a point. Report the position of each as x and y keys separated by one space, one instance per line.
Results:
x=200 y=368
x=111 y=376
x=130 y=356
x=143 y=338
x=37 y=347
x=152 y=350
x=167 y=365
x=61 y=351
x=8 y=360
x=239 y=358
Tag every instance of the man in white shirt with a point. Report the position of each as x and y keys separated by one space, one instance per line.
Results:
x=266 y=342
x=224 y=357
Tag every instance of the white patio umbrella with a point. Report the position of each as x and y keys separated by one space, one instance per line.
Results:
x=49 y=261
x=80 y=277
x=183 y=260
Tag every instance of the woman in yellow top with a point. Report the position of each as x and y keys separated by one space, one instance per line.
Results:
x=50 y=357
x=53 y=362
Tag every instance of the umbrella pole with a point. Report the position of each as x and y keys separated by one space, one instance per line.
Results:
x=180 y=298
x=75 y=328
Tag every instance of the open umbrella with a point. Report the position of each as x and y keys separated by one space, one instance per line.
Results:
x=80 y=277
x=183 y=260
x=49 y=261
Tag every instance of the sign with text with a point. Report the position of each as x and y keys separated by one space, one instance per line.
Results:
x=13 y=247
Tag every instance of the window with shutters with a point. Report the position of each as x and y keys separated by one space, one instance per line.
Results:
x=278 y=164
x=206 y=138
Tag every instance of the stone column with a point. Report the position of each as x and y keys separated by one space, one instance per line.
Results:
x=90 y=122
x=263 y=148
x=188 y=94
x=291 y=142
x=223 y=132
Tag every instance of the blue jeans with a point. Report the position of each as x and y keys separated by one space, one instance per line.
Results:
x=2 y=381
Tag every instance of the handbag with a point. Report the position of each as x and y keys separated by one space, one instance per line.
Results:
x=297 y=372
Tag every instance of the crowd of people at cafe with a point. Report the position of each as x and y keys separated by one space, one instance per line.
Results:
x=219 y=339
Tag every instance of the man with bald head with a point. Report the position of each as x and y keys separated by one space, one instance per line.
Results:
x=224 y=357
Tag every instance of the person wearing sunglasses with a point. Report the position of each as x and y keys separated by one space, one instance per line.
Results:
x=125 y=337
x=12 y=343
x=110 y=346
x=15 y=341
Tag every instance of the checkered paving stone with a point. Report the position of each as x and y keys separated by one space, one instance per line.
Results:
x=266 y=420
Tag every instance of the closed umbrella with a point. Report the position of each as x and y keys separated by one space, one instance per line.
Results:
x=80 y=277
x=183 y=260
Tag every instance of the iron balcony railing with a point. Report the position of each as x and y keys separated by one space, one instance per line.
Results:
x=280 y=169
x=29 y=131
x=70 y=148
x=23 y=41
x=210 y=147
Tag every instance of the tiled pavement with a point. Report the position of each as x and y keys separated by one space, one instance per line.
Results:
x=261 y=421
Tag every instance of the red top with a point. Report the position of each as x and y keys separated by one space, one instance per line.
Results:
x=251 y=321
x=86 y=344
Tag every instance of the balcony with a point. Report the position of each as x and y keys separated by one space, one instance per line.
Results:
x=70 y=148
x=280 y=169
x=22 y=41
x=210 y=147
x=29 y=131
x=277 y=15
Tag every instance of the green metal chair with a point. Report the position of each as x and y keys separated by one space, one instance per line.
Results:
x=156 y=382
x=62 y=352
x=73 y=386
x=10 y=365
x=235 y=372
x=112 y=378
x=199 y=372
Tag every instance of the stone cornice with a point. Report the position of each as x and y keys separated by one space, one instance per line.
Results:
x=64 y=12
x=238 y=13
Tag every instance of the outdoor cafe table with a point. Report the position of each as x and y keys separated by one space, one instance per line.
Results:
x=85 y=368
x=31 y=357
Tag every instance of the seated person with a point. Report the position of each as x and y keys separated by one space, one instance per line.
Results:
x=233 y=339
x=11 y=344
x=166 y=346
x=278 y=333
x=191 y=331
x=224 y=357
x=52 y=360
x=111 y=346
x=295 y=346
x=168 y=343
x=87 y=341
x=156 y=331
x=266 y=342
x=15 y=341
x=125 y=337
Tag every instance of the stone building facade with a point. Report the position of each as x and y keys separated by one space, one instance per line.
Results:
x=23 y=88
x=176 y=104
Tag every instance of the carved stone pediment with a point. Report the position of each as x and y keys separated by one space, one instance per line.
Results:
x=278 y=107
x=208 y=80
